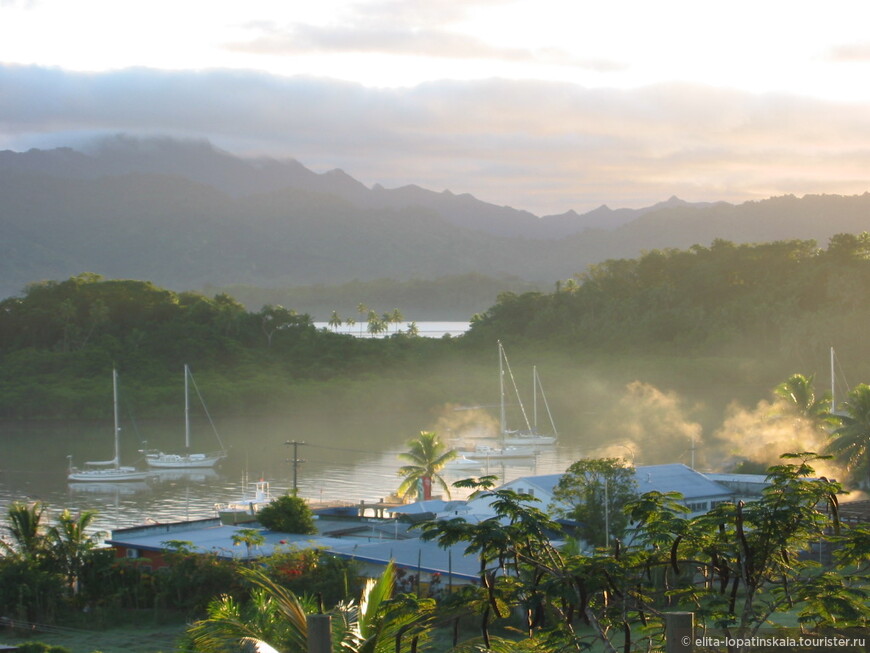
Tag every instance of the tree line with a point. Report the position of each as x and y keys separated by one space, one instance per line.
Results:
x=780 y=298
x=61 y=338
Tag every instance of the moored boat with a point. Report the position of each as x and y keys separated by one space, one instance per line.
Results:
x=187 y=460
x=245 y=510
x=488 y=452
x=529 y=437
x=107 y=471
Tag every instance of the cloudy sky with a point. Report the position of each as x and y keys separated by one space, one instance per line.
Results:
x=544 y=105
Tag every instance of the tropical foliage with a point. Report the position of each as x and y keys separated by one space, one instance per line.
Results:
x=735 y=567
x=288 y=514
x=60 y=339
x=851 y=441
x=378 y=623
x=593 y=493
x=787 y=298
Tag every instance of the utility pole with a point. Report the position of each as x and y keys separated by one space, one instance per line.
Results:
x=296 y=460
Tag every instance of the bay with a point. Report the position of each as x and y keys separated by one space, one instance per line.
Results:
x=347 y=457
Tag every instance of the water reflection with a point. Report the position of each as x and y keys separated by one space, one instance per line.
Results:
x=347 y=458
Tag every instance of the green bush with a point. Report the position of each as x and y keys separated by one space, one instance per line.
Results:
x=288 y=514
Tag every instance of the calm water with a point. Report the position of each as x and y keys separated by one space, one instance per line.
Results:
x=347 y=457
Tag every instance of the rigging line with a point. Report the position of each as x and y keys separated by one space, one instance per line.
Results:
x=205 y=408
x=516 y=390
x=842 y=374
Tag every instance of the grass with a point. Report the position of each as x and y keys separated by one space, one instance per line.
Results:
x=126 y=639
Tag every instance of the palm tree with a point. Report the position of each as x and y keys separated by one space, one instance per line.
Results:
x=335 y=321
x=376 y=324
x=428 y=456
x=797 y=391
x=26 y=530
x=249 y=537
x=362 y=309
x=71 y=545
x=396 y=318
x=277 y=616
x=851 y=442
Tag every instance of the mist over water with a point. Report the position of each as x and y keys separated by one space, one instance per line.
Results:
x=353 y=433
x=346 y=458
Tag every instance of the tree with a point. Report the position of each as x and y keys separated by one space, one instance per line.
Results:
x=797 y=391
x=288 y=514
x=593 y=493
x=71 y=545
x=27 y=531
x=335 y=321
x=734 y=567
x=395 y=317
x=250 y=537
x=278 y=617
x=362 y=309
x=376 y=324
x=851 y=442
x=428 y=456
x=274 y=318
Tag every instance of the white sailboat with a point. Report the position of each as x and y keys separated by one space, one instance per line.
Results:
x=530 y=435
x=107 y=471
x=245 y=509
x=187 y=460
x=488 y=452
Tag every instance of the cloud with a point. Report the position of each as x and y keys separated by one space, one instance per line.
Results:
x=852 y=53
x=390 y=38
x=542 y=146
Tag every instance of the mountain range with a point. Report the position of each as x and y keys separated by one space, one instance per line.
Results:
x=187 y=215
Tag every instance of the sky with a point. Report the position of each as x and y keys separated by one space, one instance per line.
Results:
x=543 y=105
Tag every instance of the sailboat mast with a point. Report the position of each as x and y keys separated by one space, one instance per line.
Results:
x=186 y=409
x=501 y=387
x=117 y=459
x=535 y=397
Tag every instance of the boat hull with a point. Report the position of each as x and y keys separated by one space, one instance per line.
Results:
x=230 y=517
x=112 y=475
x=507 y=453
x=529 y=440
x=179 y=461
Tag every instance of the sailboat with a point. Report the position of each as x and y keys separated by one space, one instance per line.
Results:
x=530 y=435
x=187 y=460
x=107 y=471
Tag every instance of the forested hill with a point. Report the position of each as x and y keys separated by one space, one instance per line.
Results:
x=788 y=300
x=780 y=304
x=60 y=341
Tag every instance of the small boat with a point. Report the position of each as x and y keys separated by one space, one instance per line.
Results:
x=530 y=435
x=187 y=460
x=488 y=452
x=245 y=510
x=107 y=471
x=461 y=462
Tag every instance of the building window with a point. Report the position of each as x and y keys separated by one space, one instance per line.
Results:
x=699 y=506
